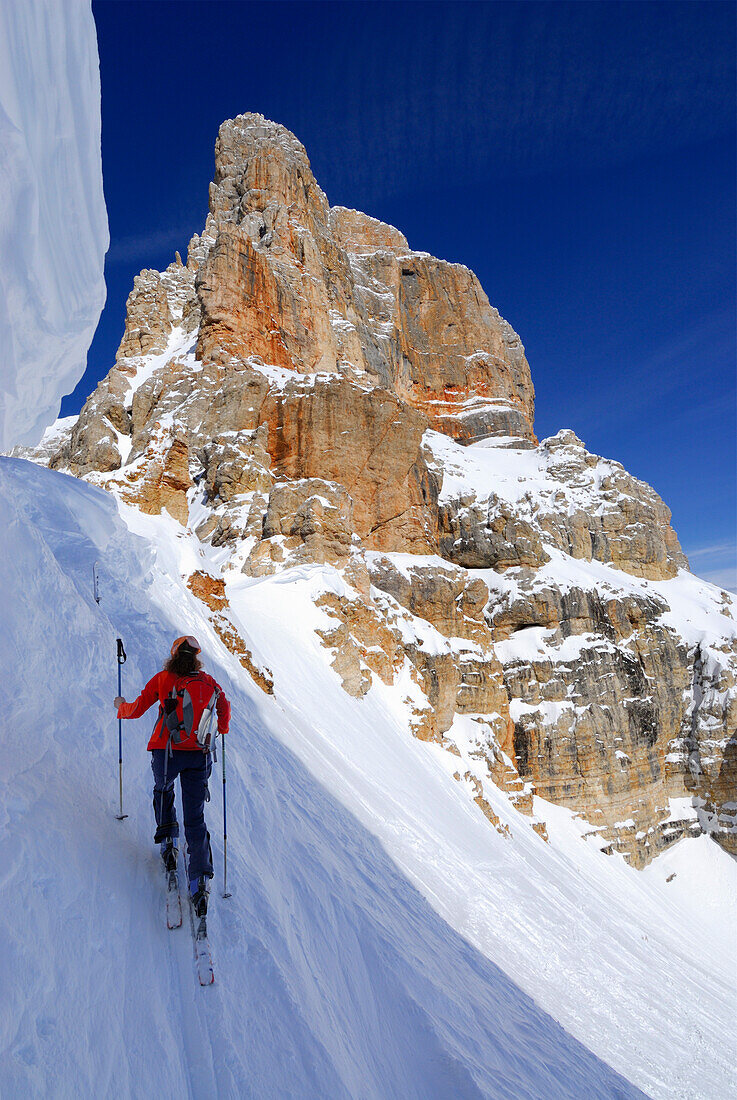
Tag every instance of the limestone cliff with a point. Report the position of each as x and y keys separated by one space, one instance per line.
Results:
x=308 y=390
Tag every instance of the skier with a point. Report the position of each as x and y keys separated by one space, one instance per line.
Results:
x=183 y=692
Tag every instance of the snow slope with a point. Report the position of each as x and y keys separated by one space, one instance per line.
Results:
x=382 y=940
x=53 y=221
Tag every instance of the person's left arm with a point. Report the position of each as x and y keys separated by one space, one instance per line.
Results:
x=223 y=712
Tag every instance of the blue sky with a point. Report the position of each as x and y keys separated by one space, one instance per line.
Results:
x=579 y=157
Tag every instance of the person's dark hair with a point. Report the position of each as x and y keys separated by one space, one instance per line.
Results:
x=185 y=661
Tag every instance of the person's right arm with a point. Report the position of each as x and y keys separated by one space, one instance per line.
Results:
x=146 y=699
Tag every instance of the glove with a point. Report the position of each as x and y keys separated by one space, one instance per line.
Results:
x=118 y=701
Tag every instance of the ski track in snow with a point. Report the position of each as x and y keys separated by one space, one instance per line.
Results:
x=382 y=941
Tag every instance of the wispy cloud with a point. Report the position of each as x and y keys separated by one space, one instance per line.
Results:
x=151 y=244
x=716 y=563
x=515 y=90
x=664 y=371
x=723 y=548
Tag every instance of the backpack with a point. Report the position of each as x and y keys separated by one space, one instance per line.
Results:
x=189 y=711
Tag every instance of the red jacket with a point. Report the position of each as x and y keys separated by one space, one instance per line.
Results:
x=156 y=691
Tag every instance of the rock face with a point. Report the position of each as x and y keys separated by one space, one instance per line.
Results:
x=308 y=391
x=310 y=289
x=369 y=441
x=599 y=696
x=158 y=302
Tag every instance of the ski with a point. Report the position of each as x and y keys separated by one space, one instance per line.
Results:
x=173 y=901
x=202 y=955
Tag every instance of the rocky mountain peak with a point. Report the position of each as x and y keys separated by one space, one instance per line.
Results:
x=309 y=391
x=261 y=167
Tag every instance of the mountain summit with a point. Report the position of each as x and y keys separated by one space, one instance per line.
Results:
x=308 y=391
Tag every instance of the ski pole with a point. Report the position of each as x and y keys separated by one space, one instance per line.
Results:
x=225 y=827
x=121 y=661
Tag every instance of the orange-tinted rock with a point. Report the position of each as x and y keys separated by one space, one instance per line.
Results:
x=161 y=481
x=361 y=643
x=366 y=441
x=357 y=232
x=256 y=305
x=310 y=288
x=462 y=365
x=309 y=520
x=451 y=599
x=211 y=590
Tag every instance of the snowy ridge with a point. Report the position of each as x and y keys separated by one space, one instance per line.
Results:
x=53 y=221
x=180 y=346
x=536 y=480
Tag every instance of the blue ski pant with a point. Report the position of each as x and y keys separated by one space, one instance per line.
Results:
x=193 y=769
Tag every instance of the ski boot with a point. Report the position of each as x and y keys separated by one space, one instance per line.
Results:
x=169 y=853
x=199 y=889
